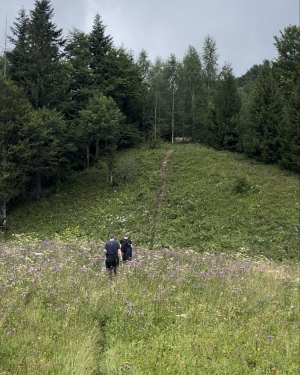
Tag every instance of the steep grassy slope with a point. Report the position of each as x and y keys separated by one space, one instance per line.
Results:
x=211 y=201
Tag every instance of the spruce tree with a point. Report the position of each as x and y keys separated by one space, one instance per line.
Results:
x=36 y=58
x=78 y=60
x=42 y=144
x=228 y=105
x=265 y=112
x=100 y=46
x=289 y=133
x=14 y=113
x=18 y=57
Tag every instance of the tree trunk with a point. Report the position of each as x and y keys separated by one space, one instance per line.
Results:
x=111 y=178
x=88 y=157
x=155 y=116
x=3 y=214
x=173 y=108
x=97 y=150
x=193 y=110
x=38 y=186
x=24 y=191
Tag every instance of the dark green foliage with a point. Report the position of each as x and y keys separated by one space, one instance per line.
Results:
x=41 y=144
x=241 y=185
x=78 y=63
x=100 y=46
x=18 y=57
x=35 y=60
x=14 y=114
x=91 y=100
x=287 y=65
x=124 y=85
x=228 y=105
x=101 y=122
x=127 y=169
x=247 y=80
x=289 y=133
x=190 y=89
x=265 y=112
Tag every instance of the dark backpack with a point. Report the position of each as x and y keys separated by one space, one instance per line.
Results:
x=124 y=245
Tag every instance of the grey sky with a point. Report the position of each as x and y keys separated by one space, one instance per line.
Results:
x=243 y=29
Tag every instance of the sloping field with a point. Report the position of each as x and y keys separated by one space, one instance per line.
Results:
x=212 y=201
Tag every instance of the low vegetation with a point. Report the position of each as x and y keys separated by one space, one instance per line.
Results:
x=213 y=287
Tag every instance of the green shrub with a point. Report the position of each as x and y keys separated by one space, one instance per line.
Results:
x=242 y=185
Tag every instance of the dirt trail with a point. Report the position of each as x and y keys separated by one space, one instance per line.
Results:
x=160 y=193
x=162 y=172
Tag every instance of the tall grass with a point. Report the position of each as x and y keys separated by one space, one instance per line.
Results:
x=171 y=312
x=216 y=293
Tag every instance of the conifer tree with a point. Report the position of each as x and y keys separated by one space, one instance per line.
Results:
x=14 y=113
x=100 y=47
x=78 y=58
x=228 y=105
x=125 y=85
x=289 y=133
x=35 y=59
x=265 y=111
x=19 y=59
x=42 y=144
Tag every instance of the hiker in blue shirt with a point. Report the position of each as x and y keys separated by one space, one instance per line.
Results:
x=126 y=248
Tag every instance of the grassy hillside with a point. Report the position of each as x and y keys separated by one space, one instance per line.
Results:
x=212 y=201
x=203 y=301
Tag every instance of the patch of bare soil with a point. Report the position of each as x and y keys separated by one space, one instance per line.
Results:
x=162 y=172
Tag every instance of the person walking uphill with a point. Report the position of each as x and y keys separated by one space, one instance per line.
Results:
x=113 y=254
x=126 y=248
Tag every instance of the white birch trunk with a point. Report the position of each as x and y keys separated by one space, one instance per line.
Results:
x=173 y=108
x=155 y=116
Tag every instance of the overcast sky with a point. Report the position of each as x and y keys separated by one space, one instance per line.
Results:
x=243 y=29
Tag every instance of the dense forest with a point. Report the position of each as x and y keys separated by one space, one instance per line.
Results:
x=68 y=102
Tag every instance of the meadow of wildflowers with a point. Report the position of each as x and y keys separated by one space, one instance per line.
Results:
x=171 y=312
x=213 y=287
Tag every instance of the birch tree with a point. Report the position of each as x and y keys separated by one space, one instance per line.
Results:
x=172 y=77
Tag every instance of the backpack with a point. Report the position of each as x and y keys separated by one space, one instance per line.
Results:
x=124 y=245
